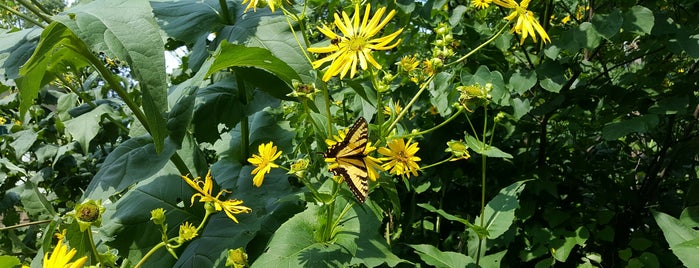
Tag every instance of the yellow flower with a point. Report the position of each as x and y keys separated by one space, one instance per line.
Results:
x=237 y=258
x=187 y=231
x=204 y=188
x=407 y=64
x=401 y=157
x=481 y=4
x=355 y=45
x=565 y=19
x=158 y=216
x=526 y=24
x=3 y=120
x=264 y=162
x=61 y=256
x=395 y=110
x=254 y=3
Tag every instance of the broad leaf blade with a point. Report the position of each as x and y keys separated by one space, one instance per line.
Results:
x=134 y=160
x=126 y=29
x=437 y=258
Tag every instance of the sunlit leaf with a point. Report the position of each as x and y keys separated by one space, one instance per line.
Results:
x=437 y=258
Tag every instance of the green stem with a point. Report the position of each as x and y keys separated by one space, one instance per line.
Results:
x=22 y=15
x=326 y=97
x=437 y=164
x=150 y=253
x=225 y=15
x=23 y=225
x=483 y=175
x=93 y=248
x=40 y=6
x=412 y=101
x=330 y=209
x=244 y=127
x=418 y=133
x=480 y=46
x=379 y=105
x=299 y=20
x=35 y=10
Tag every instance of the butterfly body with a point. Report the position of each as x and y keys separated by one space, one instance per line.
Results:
x=349 y=156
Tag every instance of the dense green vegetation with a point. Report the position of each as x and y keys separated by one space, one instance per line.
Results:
x=507 y=133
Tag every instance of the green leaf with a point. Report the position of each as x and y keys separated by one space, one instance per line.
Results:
x=9 y=261
x=270 y=31
x=23 y=141
x=608 y=25
x=690 y=217
x=500 y=211
x=126 y=29
x=127 y=221
x=550 y=76
x=59 y=51
x=296 y=243
x=85 y=127
x=444 y=214
x=34 y=200
x=521 y=108
x=641 y=124
x=639 y=19
x=189 y=21
x=441 y=95
x=437 y=258
x=483 y=76
x=523 y=81
x=180 y=116
x=129 y=163
x=484 y=149
x=229 y=55
x=584 y=36
x=15 y=49
x=493 y=260
x=683 y=240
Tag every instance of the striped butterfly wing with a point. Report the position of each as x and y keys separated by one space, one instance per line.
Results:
x=349 y=155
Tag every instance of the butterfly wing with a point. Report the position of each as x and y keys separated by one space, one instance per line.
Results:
x=349 y=156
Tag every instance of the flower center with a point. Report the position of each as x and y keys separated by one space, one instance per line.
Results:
x=356 y=43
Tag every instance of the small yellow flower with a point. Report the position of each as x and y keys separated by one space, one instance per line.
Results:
x=355 y=45
x=158 y=216
x=264 y=162
x=187 y=231
x=237 y=258
x=3 y=120
x=526 y=25
x=481 y=4
x=565 y=19
x=204 y=188
x=254 y=3
x=395 y=110
x=401 y=157
x=61 y=256
x=407 y=64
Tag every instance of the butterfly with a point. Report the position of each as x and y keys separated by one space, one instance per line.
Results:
x=349 y=159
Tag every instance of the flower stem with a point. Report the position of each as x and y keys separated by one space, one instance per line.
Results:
x=225 y=15
x=480 y=46
x=35 y=10
x=23 y=225
x=418 y=133
x=407 y=106
x=150 y=253
x=22 y=15
x=244 y=127
x=483 y=175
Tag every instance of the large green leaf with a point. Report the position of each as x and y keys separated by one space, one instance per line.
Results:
x=639 y=19
x=22 y=141
x=485 y=149
x=229 y=55
x=500 y=211
x=129 y=163
x=641 y=124
x=270 y=31
x=683 y=240
x=59 y=51
x=189 y=21
x=126 y=29
x=34 y=201
x=15 y=49
x=608 y=25
x=441 y=93
x=296 y=243
x=127 y=220
x=437 y=258
x=86 y=126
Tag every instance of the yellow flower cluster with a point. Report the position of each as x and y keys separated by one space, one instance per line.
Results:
x=204 y=188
